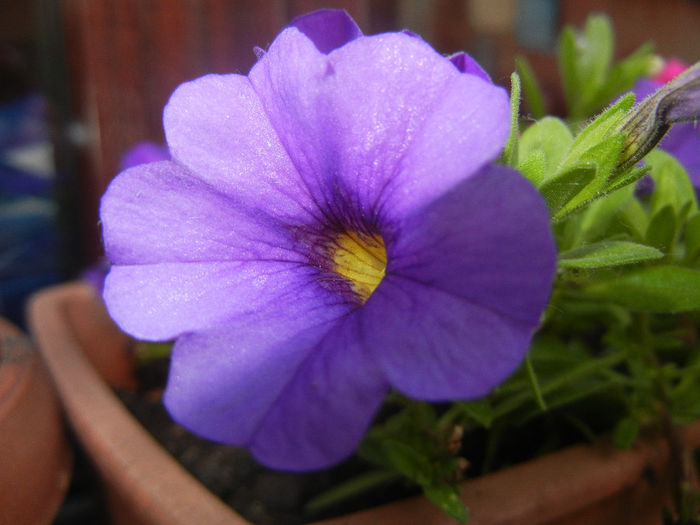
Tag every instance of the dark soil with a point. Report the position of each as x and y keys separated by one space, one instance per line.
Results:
x=259 y=494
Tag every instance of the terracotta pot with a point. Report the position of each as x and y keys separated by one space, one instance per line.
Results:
x=35 y=458
x=578 y=485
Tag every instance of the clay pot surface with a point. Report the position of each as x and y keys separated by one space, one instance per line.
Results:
x=36 y=460
x=575 y=486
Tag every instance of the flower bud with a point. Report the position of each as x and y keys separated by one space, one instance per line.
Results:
x=647 y=123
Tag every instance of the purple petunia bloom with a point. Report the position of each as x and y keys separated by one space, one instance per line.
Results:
x=329 y=228
x=683 y=139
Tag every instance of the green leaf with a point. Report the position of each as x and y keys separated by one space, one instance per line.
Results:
x=408 y=461
x=531 y=87
x=608 y=253
x=635 y=218
x=661 y=232
x=552 y=137
x=447 y=498
x=662 y=289
x=567 y=59
x=625 y=73
x=692 y=237
x=626 y=178
x=534 y=167
x=625 y=433
x=604 y=155
x=584 y=64
x=596 y=57
x=589 y=78
x=510 y=153
x=686 y=396
x=578 y=371
x=673 y=186
x=480 y=411
x=599 y=129
x=596 y=219
x=565 y=186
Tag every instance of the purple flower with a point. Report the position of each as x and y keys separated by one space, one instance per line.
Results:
x=683 y=139
x=328 y=228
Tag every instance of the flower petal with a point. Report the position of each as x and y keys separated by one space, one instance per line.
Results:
x=437 y=346
x=467 y=281
x=328 y=29
x=162 y=301
x=161 y=212
x=298 y=399
x=362 y=123
x=321 y=415
x=216 y=127
x=488 y=241
x=222 y=382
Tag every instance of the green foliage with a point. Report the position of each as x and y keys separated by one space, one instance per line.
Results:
x=692 y=238
x=672 y=185
x=572 y=172
x=589 y=78
x=447 y=498
x=510 y=153
x=625 y=433
x=415 y=444
x=549 y=138
x=607 y=253
x=661 y=289
x=532 y=93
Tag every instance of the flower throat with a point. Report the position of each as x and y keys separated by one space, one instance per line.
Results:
x=361 y=260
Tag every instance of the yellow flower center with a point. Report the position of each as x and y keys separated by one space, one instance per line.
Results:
x=361 y=260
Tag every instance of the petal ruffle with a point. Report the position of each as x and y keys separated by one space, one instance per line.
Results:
x=467 y=281
x=321 y=415
x=437 y=346
x=328 y=29
x=299 y=399
x=163 y=301
x=160 y=212
x=216 y=126
x=359 y=123
x=489 y=242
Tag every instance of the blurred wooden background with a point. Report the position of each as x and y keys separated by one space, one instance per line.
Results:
x=110 y=65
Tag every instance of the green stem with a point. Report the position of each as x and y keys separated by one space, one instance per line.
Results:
x=351 y=488
x=534 y=383
x=510 y=153
x=584 y=370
